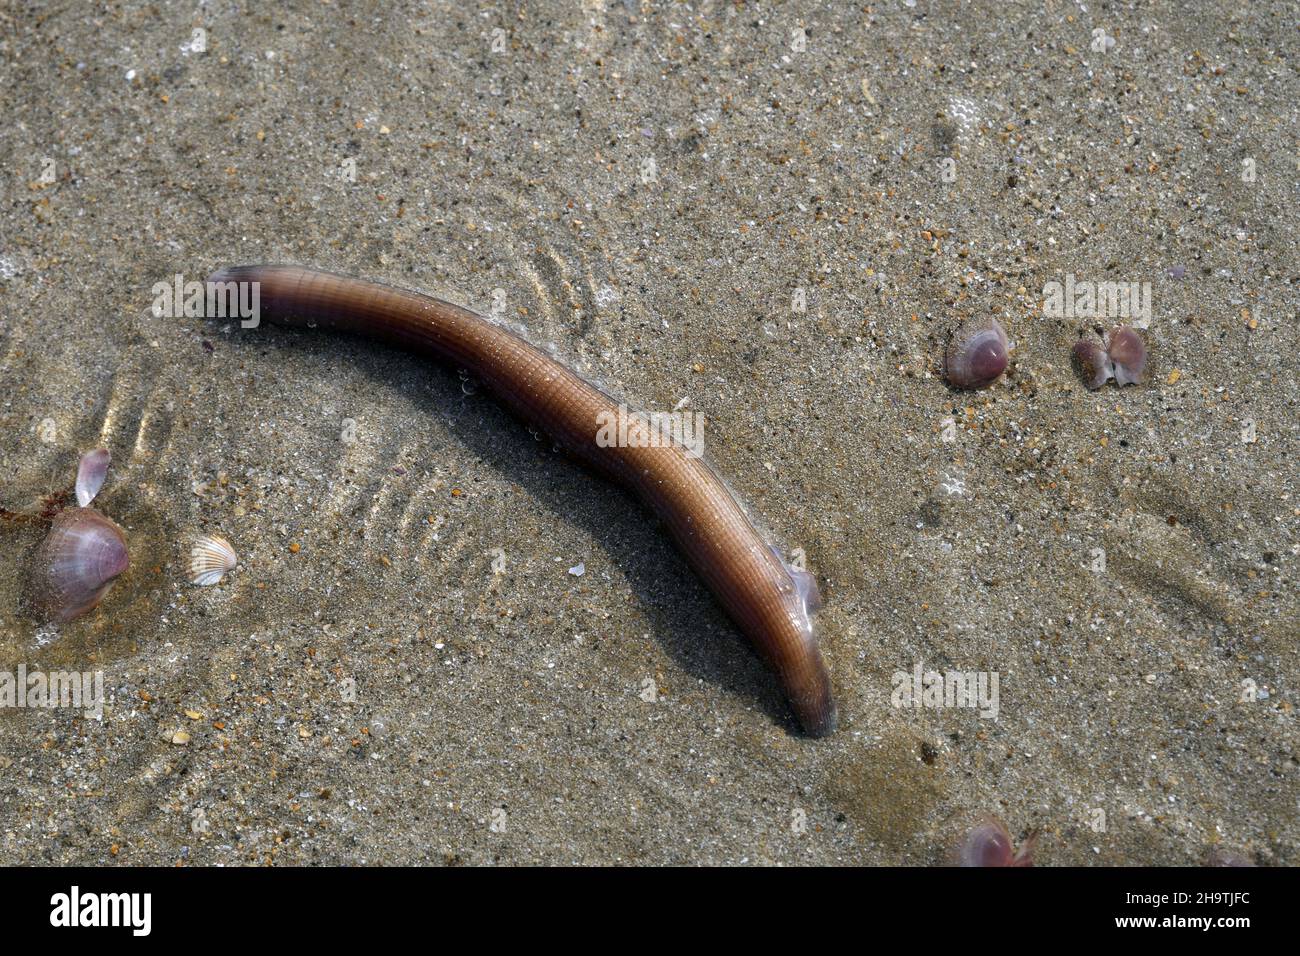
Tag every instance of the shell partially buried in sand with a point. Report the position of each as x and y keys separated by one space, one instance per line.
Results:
x=83 y=553
x=76 y=564
x=977 y=354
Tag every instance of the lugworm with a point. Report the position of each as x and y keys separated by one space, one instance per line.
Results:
x=770 y=601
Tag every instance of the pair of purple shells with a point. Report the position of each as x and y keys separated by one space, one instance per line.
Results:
x=977 y=355
x=1122 y=356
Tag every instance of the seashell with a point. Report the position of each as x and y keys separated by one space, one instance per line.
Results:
x=73 y=568
x=976 y=355
x=1222 y=857
x=91 y=471
x=1128 y=353
x=1092 y=363
x=210 y=558
x=989 y=844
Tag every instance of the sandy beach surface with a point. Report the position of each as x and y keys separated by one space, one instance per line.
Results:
x=447 y=643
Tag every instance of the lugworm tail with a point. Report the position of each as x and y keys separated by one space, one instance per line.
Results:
x=769 y=601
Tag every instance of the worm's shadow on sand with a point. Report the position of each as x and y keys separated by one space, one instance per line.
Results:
x=689 y=623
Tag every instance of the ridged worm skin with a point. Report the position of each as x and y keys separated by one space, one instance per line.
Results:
x=767 y=599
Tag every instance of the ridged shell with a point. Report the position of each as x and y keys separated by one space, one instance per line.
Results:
x=976 y=355
x=210 y=559
x=73 y=568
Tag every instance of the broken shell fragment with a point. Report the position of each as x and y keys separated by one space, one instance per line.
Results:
x=1092 y=363
x=91 y=471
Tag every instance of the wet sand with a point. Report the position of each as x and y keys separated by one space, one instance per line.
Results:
x=777 y=213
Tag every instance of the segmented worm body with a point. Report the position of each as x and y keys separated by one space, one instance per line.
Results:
x=769 y=601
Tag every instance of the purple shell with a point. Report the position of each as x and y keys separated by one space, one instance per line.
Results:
x=73 y=568
x=976 y=355
x=1128 y=353
x=989 y=844
x=1092 y=363
x=90 y=475
x=1222 y=857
